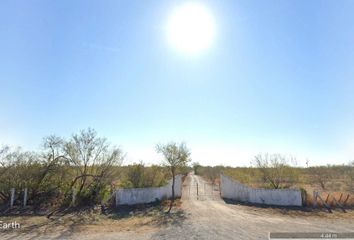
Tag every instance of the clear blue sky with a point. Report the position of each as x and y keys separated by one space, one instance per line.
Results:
x=279 y=77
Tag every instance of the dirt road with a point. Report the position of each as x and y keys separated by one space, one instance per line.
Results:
x=211 y=218
x=201 y=216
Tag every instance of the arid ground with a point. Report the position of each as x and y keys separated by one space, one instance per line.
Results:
x=203 y=217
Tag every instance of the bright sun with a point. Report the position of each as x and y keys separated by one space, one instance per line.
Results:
x=191 y=28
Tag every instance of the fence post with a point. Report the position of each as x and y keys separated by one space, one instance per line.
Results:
x=12 y=197
x=220 y=187
x=25 y=197
x=197 y=192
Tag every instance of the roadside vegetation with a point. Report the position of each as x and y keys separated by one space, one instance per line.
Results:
x=83 y=170
x=176 y=157
x=276 y=171
x=138 y=175
x=81 y=165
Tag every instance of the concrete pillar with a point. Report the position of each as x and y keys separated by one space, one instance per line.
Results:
x=25 y=197
x=12 y=197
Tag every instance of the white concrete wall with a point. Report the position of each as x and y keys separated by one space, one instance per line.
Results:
x=232 y=189
x=147 y=195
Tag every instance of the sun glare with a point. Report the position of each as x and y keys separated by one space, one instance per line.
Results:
x=191 y=28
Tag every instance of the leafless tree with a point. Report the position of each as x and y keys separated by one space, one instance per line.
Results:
x=52 y=159
x=275 y=169
x=92 y=157
x=212 y=173
x=18 y=170
x=321 y=175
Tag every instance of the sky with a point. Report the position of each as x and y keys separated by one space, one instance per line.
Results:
x=278 y=77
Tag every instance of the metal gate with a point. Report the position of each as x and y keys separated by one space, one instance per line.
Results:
x=202 y=191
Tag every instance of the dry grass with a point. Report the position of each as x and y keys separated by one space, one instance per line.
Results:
x=143 y=218
x=332 y=198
